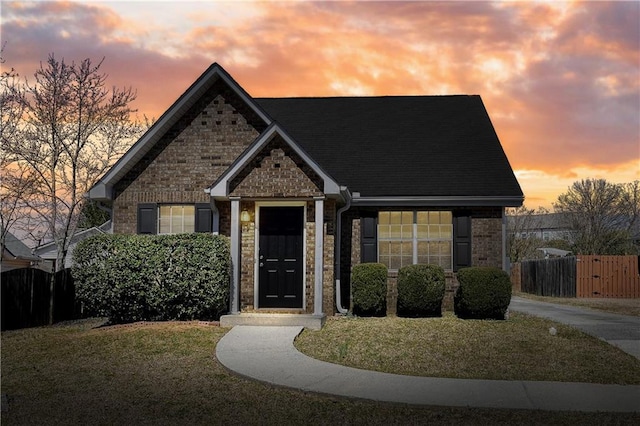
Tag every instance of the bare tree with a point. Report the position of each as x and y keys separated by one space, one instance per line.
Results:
x=15 y=180
x=71 y=130
x=602 y=215
x=521 y=239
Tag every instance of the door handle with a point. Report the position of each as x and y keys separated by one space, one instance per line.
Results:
x=261 y=264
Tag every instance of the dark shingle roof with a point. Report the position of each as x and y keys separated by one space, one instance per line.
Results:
x=17 y=248
x=400 y=145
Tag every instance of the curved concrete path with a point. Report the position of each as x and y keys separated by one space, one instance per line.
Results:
x=267 y=354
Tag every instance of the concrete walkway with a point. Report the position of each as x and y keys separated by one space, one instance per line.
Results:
x=621 y=331
x=267 y=354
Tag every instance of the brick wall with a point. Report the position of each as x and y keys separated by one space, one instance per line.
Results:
x=486 y=242
x=247 y=267
x=189 y=157
x=486 y=228
x=247 y=259
x=276 y=172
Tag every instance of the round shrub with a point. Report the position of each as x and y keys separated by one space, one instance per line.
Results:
x=420 y=290
x=369 y=289
x=153 y=277
x=483 y=293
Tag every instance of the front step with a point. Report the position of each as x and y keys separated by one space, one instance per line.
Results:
x=312 y=322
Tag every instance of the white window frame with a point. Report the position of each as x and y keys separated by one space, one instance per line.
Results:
x=171 y=217
x=414 y=237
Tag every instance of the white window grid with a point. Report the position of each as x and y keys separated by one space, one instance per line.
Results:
x=417 y=237
x=176 y=219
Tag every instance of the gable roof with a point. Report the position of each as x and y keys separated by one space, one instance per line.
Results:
x=437 y=147
x=49 y=250
x=220 y=187
x=400 y=150
x=103 y=188
x=17 y=249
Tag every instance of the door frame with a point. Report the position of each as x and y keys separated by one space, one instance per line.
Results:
x=256 y=254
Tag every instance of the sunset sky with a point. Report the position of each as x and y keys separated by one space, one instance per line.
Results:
x=560 y=80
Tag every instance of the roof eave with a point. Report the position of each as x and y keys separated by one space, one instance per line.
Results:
x=102 y=190
x=220 y=188
x=438 y=201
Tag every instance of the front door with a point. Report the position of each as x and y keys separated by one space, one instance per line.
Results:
x=280 y=257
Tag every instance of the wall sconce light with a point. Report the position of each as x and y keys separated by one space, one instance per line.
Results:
x=245 y=217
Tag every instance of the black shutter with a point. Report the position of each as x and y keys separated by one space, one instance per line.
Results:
x=369 y=239
x=461 y=240
x=147 y=218
x=203 y=218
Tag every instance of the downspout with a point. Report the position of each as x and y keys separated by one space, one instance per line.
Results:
x=506 y=262
x=347 y=206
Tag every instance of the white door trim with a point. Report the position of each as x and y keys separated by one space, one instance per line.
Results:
x=256 y=260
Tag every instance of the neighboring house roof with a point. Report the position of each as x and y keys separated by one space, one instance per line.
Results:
x=49 y=251
x=553 y=252
x=436 y=150
x=16 y=249
x=539 y=222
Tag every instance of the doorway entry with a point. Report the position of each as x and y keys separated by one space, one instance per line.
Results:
x=281 y=257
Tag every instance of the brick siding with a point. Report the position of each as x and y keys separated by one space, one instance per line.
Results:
x=486 y=250
x=188 y=158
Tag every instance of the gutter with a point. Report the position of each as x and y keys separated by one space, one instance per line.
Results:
x=432 y=201
x=347 y=196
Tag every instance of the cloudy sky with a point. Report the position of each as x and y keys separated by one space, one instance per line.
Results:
x=561 y=80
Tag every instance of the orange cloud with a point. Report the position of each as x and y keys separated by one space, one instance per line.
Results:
x=561 y=80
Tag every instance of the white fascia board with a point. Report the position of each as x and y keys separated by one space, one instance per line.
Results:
x=331 y=187
x=100 y=192
x=164 y=123
x=440 y=201
x=220 y=189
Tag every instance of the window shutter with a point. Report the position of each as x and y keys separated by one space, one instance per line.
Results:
x=461 y=241
x=369 y=239
x=147 y=218
x=203 y=218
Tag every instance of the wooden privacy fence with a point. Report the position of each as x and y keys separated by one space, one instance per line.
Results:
x=608 y=276
x=549 y=277
x=28 y=299
x=582 y=276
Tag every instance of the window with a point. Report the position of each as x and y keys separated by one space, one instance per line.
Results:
x=409 y=237
x=176 y=219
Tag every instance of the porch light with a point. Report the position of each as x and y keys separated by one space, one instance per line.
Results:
x=245 y=217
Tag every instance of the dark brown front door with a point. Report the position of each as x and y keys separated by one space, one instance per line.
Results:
x=280 y=257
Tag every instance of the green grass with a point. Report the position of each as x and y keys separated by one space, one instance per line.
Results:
x=518 y=349
x=167 y=373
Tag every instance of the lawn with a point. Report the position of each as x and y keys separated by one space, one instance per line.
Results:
x=166 y=373
x=518 y=349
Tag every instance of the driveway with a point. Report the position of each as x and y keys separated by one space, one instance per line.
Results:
x=622 y=331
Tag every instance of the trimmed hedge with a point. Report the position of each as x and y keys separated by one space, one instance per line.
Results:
x=369 y=289
x=483 y=293
x=153 y=277
x=420 y=290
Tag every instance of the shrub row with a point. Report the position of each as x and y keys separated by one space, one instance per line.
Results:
x=369 y=289
x=420 y=290
x=153 y=277
x=482 y=292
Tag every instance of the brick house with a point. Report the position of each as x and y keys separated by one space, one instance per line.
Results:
x=307 y=187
